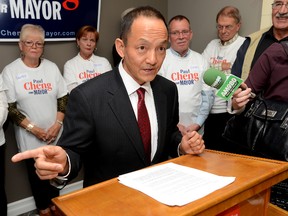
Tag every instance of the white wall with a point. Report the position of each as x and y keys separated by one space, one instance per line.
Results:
x=266 y=20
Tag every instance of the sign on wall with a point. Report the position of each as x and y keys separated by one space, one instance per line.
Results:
x=60 y=18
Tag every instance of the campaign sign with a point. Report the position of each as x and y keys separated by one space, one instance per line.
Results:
x=60 y=18
x=228 y=88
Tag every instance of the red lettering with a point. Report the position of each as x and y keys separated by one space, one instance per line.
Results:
x=190 y=76
x=196 y=76
x=178 y=76
x=27 y=86
x=37 y=86
x=186 y=76
x=85 y=75
x=70 y=4
x=215 y=61
x=174 y=76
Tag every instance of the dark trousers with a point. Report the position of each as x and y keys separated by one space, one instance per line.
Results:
x=42 y=191
x=3 y=199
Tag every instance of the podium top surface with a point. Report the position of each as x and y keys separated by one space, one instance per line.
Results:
x=253 y=175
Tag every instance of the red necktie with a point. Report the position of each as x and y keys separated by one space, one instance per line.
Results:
x=144 y=123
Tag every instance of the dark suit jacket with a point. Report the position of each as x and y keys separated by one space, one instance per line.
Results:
x=100 y=127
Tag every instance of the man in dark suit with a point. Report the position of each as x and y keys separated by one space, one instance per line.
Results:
x=100 y=126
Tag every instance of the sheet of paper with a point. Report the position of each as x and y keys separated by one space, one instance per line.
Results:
x=173 y=184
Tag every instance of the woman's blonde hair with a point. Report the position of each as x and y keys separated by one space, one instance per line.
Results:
x=28 y=29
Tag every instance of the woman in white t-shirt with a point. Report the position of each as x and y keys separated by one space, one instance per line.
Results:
x=3 y=117
x=85 y=65
x=37 y=96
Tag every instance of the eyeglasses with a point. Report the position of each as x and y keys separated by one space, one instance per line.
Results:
x=177 y=33
x=227 y=27
x=278 y=5
x=31 y=44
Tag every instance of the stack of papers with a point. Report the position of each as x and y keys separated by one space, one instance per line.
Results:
x=173 y=184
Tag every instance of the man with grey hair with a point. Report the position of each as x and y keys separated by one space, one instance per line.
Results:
x=221 y=54
x=256 y=43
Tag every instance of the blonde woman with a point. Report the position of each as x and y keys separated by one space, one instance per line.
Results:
x=37 y=97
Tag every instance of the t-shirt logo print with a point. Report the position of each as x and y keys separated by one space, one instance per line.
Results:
x=37 y=87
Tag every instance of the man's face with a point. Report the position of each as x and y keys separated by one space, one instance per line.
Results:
x=227 y=28
x=280 y=15
x=145 y=49
x=180 y=36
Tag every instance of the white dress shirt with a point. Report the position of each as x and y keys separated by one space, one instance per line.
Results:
x=131 y=86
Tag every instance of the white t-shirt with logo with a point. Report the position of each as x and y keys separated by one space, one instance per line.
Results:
x=35 y=90
x=216 y=53
x=78 y=70
x=3 y=110
x=187 y=73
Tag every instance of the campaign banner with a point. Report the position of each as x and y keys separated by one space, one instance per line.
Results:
x=60 y=18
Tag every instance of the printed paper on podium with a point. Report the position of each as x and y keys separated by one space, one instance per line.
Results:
x=173 y=184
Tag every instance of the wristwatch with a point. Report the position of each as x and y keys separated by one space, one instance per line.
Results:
x=60 y=122
x=29 y=127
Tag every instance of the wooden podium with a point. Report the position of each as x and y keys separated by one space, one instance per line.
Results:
x=248 y=195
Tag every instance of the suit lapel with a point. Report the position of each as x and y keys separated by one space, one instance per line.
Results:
x=121 y=107
x=160 y=101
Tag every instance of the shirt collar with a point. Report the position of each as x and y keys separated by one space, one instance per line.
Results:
x=230 y=41
x=177 y=54
x=270 y=34
x=130 y=84
x=90 y=59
